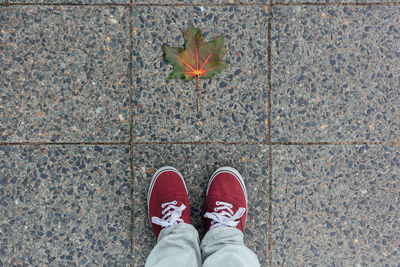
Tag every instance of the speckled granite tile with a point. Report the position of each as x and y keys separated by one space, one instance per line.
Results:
x=198 y=1
x=336 y=206
x=64 y=73
x=183 y=1
x=232 y=105
x=336 y=73
x=67 y=1
x=334 y=1
x=64 y=206
x=197 y=164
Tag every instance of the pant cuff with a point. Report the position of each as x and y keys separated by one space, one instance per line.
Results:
x=219 y=233
x=188 y=228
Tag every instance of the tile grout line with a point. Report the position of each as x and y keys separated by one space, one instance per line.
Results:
x=130 y=75
x=269 y=230
x=338 y=4
x=131 y=4
x=269 y=234
x=27 y=143
x=266 y=142
x=338 y=143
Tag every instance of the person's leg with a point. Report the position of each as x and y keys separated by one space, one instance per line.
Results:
x=223 y=246
x=169 y=213
x=226 y=211
x=177 y=245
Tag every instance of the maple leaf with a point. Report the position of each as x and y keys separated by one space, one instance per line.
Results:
x=199 y=58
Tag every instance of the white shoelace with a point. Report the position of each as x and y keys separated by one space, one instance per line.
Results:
x=223 y=217
x=174 y=214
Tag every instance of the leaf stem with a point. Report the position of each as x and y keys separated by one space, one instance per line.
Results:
x=198 y=92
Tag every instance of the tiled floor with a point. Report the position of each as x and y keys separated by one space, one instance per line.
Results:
x=308 y=111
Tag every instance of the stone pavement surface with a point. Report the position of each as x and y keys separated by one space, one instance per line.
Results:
x=308 y=111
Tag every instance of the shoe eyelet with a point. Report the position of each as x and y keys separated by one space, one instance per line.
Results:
x=162 y=205
x=215 y=209
x=174 y=202
x=217 y=203
x=162 y=212
x=230 y=205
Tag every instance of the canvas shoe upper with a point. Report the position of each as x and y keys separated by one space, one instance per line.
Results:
x=167 y=199
x=226 y=199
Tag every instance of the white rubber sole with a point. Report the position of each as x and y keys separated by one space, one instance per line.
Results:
x=232 y=171
x=154 y=178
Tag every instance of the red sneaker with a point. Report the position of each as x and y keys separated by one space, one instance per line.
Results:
x=226 y=199
x=167 y=199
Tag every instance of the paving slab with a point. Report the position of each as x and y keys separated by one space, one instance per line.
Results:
x=64 y=206
x=333 y=1
x=335 y=73
x=336 y=206
x=197 y=163
x=84 y=2
x=183 y=1
x=233 y=105
x=199 y=2
x=64 y=73
x=150 y=2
